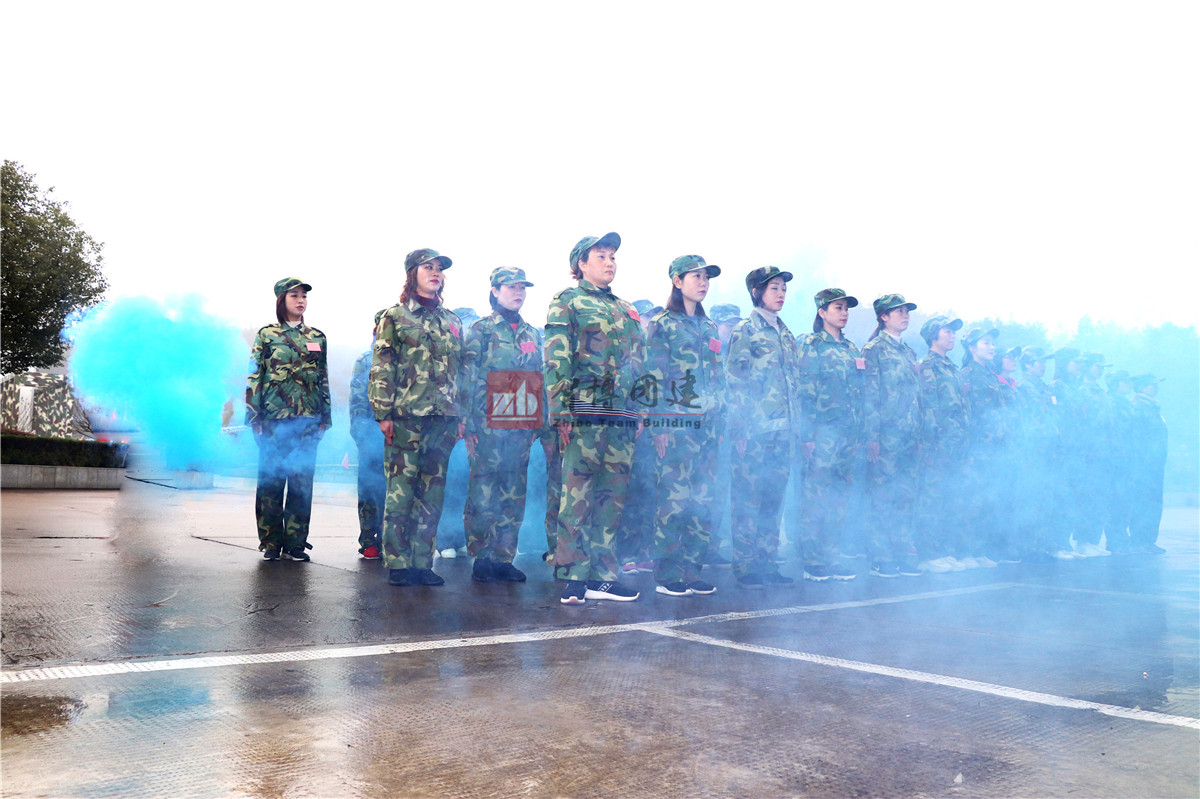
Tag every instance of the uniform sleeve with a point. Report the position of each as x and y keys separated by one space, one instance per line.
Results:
x=326 y=403
x=809 y=386
x=931 y=401
x=871 y=399
x=360 y=406
x=255 y=380
x=559 y=367
x=474 y=380
x=717 y=385
x=658 y=355
x=381 y=391
x=737 y=376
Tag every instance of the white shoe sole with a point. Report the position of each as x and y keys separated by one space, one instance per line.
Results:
x=662 y=589
x=590 y=594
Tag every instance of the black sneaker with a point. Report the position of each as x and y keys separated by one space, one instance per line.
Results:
x=775 y=578
x=609 y=589
x=908 y=570
x=272 y=553
x=574 y=593
x=401 y=577
x=297 y=552
x=839 y=572
x=750 y=581
x=507 y=572
x=672 y=589
x=701 y=587
x=818 y=574
x=427 y=577
x=885 y=570
x=483 y=571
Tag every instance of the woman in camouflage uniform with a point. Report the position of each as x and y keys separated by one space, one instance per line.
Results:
x=762 y=376
x=831 y=370
x=989 y=399
x=288 y=408
x=894 y=419
x=497 y=445
x=684 y=357
x=414 y=393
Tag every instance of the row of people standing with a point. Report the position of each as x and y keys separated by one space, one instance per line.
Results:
x=604 y=382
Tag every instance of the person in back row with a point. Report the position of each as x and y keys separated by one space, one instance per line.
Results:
x=372 y=485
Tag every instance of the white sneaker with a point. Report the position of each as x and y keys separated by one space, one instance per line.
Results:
x=986 y=562
x=1065 y=554
x=968 y=563
x=955 y=564
x=449 y=552
x=937 y=566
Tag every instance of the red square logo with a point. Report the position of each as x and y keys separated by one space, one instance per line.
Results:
x=514 y=400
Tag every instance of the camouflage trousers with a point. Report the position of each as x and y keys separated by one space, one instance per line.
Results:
x=635 y=533
x=596 y=467
x=1146 y=500
x=686 y=485
x=415 y=464
x=757 y=484
x=940 y=527
x=552 y=448
x=495 y=506
x=825 y=494
x=892 y=481
x=372 y=488
x=287 y=458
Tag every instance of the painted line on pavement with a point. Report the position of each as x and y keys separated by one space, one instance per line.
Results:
x=67 y=672
x=937 y=679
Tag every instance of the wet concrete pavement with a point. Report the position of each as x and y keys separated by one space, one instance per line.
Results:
x=148 y=651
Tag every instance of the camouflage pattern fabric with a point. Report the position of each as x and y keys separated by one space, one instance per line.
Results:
x=831 y=382
x=1118 y=453
x=635 y=530
x=684 y=358
x=289 y=375
x=596 y=467
x=552 y=448
x=1147 y=462
x=758 y=483
x=372 y=485
x=894 y=418
x=989 y=489
x=1070 y=479
x=495 y=507
x=51 y=409
x=287 y=459
x=940 y=529
x=415 y=464
x=685 y=480
x=594 y=352
x=416 y=362
x=1034 y=467
x=762 y=378
x=1092 y=409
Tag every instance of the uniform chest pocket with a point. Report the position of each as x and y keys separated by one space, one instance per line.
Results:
x=410 y=336
x=596 y=336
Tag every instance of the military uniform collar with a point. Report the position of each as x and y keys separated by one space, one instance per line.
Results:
x=593 y=288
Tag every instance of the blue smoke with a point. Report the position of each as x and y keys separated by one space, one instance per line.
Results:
x=168 y=367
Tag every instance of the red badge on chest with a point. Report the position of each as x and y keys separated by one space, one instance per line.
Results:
x=714 y=344
x=528 y=346
x=860 y=363
x=312 y=346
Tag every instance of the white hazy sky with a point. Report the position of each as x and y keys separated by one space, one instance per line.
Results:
x=1034 y=160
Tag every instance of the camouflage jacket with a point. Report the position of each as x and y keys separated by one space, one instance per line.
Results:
x=1092 y=411
x=289 y=375
x=1036 y=422
x=361 y=415
x=892 y=390
x=990 y=399
x=594 y=353
x=944 y=400
x=762 y=376
x=831 y=381
x=1064 y=396
x=684 y=358
x=1150 y=433
x=494 y=345
x=416 y=362
x=1120 y=441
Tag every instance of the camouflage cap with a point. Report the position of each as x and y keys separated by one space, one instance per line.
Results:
x=465 y=314
x=691 y=263
x=764 y=274
x=289 y=283
x=588 y=242
x=725 y=312
x=509 y=276
x=978 y=333
x=418 y=257
x=643 y=307
x=1093 y=359
x=1145 y=380
x=890 y=302
x=1032 y=355
x=1013 y=353
x=929 y=330
x=826 y=296
x=1119 y=376
x=1066 y=354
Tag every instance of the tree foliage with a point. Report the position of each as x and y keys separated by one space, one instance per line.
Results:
x=51 y=267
